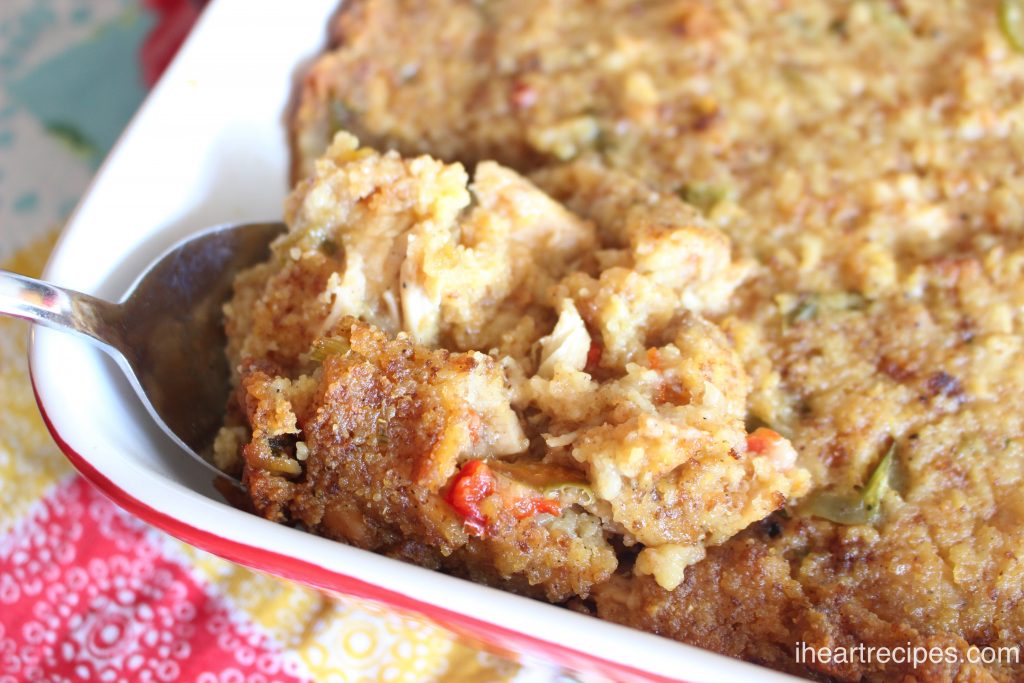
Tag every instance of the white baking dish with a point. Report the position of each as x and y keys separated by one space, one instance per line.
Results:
x=209 y=147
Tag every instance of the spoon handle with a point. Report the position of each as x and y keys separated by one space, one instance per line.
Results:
x=59 y=308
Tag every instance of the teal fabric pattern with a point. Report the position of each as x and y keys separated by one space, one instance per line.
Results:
x=71 y=76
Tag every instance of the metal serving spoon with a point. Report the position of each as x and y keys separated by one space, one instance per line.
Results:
x=167 y=333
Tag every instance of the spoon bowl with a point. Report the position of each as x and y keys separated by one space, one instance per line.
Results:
x=167 y=332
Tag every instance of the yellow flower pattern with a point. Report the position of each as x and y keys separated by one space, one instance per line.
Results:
x=29 y=461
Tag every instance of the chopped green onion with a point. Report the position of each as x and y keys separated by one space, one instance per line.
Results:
x=583 y=493
x=854 y=507
x=805 y=310
x=878 y=482
x=328 y=346
x=549 y=479
x=310 y=237
x=837 y=507
x=1011 y=22
x=809 y=305
x=704 y=196
x=890 y=18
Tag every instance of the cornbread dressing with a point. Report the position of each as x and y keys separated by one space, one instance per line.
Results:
x=475 y=377
x=797 y=216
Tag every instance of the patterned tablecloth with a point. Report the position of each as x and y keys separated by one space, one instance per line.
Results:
x=86 y=591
